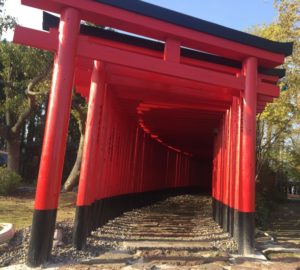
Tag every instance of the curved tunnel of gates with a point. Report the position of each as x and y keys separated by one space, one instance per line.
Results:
x=161 y=115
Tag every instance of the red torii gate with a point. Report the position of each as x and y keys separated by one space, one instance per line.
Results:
x=176 y=112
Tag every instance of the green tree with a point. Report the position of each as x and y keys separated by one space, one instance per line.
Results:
x=6 y=21
x=24 y=88
x=277 y=124
x=24 y=82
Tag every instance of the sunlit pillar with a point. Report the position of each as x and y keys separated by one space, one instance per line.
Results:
x=87 y=186
x=52 y=158
x=248 y=159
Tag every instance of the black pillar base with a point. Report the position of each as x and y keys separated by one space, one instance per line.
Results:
x=231 y=221
x=225 y=217
x=90 y=219
x=217 y=211
x=246 y=233
x=41 y=239
x=214 y=209
x=239 y=224
x=81 y=226
x=236 y=226
x=96 y=210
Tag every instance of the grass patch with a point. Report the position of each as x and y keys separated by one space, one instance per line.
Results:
x=18 y=209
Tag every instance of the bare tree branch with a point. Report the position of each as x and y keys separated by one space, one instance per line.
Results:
x=25 y=115
x=81 y=113
x=82 y=116
x=264 y=148
x=31 y=99
x=275 y=137
x=29 y=91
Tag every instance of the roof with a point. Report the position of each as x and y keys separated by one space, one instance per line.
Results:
x=199 y=25
x=53 y=21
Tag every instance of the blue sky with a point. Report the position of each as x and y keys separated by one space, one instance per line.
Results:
x=237 y=14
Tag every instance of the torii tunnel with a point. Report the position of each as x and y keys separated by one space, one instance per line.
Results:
x=172 y=103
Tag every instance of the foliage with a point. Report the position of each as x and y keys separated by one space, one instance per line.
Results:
x=9 y=181
x=278 y=124
x=266 y=202
x=278 y=141
x=6 y=21
x=24 y=77
x=268 y=196
x=23 y=84
x=24 y=87
x=20 y=64
x=262 y=210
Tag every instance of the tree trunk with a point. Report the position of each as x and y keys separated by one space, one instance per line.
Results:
x=73 y=177
x=13 y=150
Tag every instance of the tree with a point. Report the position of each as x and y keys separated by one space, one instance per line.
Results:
x=277 y=124
x=6 y=21
x=24 y=79
x=79 y=111
x=24 y=88
x=23 y=82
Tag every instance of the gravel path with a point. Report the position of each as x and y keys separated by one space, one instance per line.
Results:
x=178 y=223
x=179 y=228
x=177 y=233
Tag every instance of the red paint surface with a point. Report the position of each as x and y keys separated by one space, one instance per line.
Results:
x=87 y=181
x=131 y=22
x=248 y=158
x=51 y=164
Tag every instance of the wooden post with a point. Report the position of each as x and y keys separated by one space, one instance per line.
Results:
x=53 y=152
x=248 y=159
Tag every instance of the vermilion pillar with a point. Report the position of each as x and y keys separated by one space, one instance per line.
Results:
x=87 y=186
x=50 y=173
x=226 y=180
x=237 y=176
x=248 y=158
x=233 y=163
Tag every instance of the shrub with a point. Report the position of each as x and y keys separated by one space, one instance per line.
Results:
x=262 y=211
x=266 y=204
x=9 y=181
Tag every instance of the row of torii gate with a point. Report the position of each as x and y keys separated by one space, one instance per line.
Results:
x=172 y=106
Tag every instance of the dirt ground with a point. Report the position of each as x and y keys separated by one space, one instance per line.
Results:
x=18 y=209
